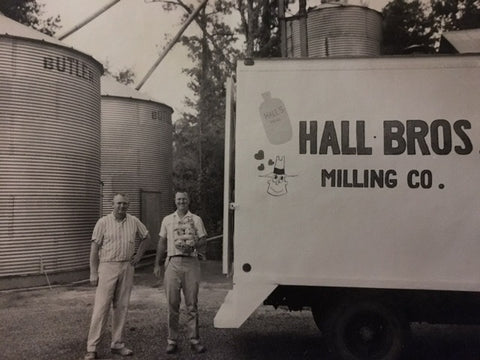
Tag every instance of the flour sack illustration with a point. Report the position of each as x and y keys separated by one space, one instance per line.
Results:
x=275 y=120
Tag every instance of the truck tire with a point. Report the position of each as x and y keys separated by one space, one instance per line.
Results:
x=365 y=331
x=319 y=316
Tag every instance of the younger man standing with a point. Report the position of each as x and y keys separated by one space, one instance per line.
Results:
x=181 y=235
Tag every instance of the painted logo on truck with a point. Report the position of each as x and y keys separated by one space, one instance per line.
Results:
x=275 y=120
x=277 y=178
x=410 y=138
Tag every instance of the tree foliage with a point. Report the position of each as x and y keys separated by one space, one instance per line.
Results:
x=29 y=12
x=259 y=24
x=405 y=24
x=125 y=76
x=199 y=133
x=454 y=15
x=417 y=22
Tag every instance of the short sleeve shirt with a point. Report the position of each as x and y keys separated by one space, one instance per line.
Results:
x=116 y=239
x=170 y=222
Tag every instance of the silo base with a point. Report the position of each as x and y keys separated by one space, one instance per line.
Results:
x=52 y=279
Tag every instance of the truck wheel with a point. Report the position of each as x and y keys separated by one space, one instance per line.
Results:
x=365 y=331
x=319 y=314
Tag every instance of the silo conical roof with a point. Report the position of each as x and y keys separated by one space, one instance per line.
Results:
x=111 y=87
x=12 y=28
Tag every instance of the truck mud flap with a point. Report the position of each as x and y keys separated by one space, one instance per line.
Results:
x=240 y=303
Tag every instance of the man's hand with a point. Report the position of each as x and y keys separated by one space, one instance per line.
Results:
x=159 y=272
x=135 y=260
x=94 y=279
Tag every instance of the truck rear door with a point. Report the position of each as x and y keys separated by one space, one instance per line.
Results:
x=229 y=175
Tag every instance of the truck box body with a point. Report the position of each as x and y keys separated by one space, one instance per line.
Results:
x=354 y=173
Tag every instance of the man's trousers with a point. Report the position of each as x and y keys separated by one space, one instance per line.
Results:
x=115 y=284
x=182 y=274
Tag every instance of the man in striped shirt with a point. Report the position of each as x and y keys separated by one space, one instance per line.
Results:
x=181 y=235
x=112 y=261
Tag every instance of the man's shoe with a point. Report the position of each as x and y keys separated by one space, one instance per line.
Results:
x=122 y=351
x=171 y=348
x=198 y=348
x=91 y=355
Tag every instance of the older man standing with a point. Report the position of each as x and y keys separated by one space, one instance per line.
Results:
x=112 y=261
x=181 y=235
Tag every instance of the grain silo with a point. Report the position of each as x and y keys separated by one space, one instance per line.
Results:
x=335 y=29
x=49 y=156
x=136 y=153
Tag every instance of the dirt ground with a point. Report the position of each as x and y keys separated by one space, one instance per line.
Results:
x=53 y=324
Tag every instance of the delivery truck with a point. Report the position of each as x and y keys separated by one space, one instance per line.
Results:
x=351 y=189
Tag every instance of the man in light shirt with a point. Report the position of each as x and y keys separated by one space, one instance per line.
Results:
x=181 y=235
x=112 y=262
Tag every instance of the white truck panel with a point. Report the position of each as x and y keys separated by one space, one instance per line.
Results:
x=331 y=234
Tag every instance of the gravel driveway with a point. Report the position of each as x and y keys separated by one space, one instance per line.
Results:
x=53 y=324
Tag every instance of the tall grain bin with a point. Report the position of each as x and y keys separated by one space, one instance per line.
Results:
x=136 y=153
x=49 y=155
x=336 y=29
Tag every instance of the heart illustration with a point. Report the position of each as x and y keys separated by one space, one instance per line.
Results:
x=270 y=162
x=261 y=167
x=259 y=155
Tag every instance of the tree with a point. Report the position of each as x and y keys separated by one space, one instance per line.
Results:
x=125 y=76
x=260 y=26
x=405 y=24
x=448 y=15
x=199 y=133
x=29 y=12
x=416 y=22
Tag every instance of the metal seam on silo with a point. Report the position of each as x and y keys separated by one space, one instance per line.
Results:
x=49 y=156
x=349 y=30
x=141 y=131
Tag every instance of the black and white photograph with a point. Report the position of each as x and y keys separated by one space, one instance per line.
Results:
x=240 y=179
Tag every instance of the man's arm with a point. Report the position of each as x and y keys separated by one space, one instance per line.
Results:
x=94 y=262
x=201 y=244
x=141 y=250
x=160 y=256
x=201 y=247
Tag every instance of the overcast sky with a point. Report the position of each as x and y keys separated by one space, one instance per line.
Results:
x=132 y=34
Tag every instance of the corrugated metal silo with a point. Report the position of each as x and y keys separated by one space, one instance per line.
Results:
x=136 y=153
x=293 y=39
x=337 y=30
x=49 y=153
